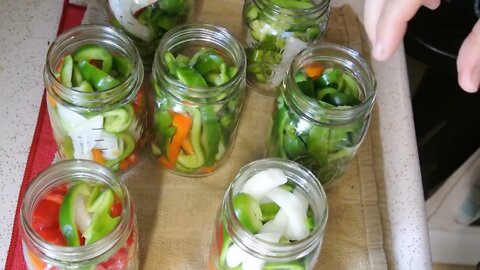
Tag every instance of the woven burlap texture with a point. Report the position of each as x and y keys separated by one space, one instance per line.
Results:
x=176 y=214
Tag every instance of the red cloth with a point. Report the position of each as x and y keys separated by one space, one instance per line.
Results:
x=43 y=147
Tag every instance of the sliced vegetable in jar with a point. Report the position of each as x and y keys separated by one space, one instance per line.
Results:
x=272 y=209
x=191 y=139
x=83 y=214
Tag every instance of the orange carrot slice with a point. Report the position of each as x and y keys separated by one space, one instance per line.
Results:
x=314 y=70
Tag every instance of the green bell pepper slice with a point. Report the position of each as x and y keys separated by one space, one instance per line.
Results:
x=99 y=79
x=293 y=144
x=118 y=120
x=102 y=223
x=94 y=52
x=170 y=62
x=198 y=159
x=163 y=127
x=293 y=4
x=318 y=143
x=341 y=99
x=66 y=217
x=279 y=122
x=172 y=7
x=122 y=65
x=67 y=71
x=293 y=265
x=208 y=61
x=77 y=77
x=67 y=147
x=167 y=22
x=190 y=77
x=85 y=87
x=269 y=211
x=211 y=132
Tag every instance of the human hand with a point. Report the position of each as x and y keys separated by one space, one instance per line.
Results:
x=386 y=23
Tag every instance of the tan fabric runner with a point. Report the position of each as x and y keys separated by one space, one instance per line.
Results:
x=176 y=214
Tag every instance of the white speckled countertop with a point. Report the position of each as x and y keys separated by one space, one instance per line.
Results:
x=27 y=27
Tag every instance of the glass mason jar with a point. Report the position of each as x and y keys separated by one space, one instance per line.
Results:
x=236 y=246
x=145 y=22
x=274 y=32
x=198 y=83
x=306 y=127
x=45 y=240
x=96 y=115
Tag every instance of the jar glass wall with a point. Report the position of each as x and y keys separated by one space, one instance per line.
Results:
x=145 y=22
x=96 y=102
x=323 y=110
x=274 y=31
x=77 y=215
x=198 y=83
x=273 y=216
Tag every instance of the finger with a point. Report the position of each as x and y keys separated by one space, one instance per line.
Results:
x=372 y=10
x=392 y=25
x=431 y=4
x=468 y=61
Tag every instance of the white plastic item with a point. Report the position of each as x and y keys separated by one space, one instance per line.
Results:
x=450 y=210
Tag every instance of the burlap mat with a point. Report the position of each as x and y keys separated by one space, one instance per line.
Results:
x=176 y=214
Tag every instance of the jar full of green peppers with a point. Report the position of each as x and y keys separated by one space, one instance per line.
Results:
x=95 y=98
x=146 y=21
x=323 y=110
x=274 y=31
x=198 y=86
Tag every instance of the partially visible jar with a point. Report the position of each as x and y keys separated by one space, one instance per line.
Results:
x=198 y=83
x=274 y=32
x=96 y=102
x=76 y=214
x=323 y=110
x=273 y=216
x=145 y=22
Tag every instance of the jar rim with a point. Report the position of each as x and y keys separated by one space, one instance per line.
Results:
x=309 y=107
x=80 y=169
x=321 y=7
x=93 y=101
x=279 y=251
x=215 y=35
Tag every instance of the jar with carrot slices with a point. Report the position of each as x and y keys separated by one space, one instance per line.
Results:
x=96 y=102
x=198 y=83
x=273 y=216
x=274 y=31
x=146 y=21
x=323 y=110
x=76 y=214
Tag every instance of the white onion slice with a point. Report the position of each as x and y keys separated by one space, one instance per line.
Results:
x=82 y=217
x=111 y=145
x=302 y=198
x=252 y=263
x=278 y=224
x=264 y=181
x=269 y=237
x=235 y=256
x=122 y=11
x=293 y=46
x=69 y=119
x=294 y=210
x=85 y=136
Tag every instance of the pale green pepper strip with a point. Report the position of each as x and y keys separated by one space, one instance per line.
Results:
x=197 y=160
